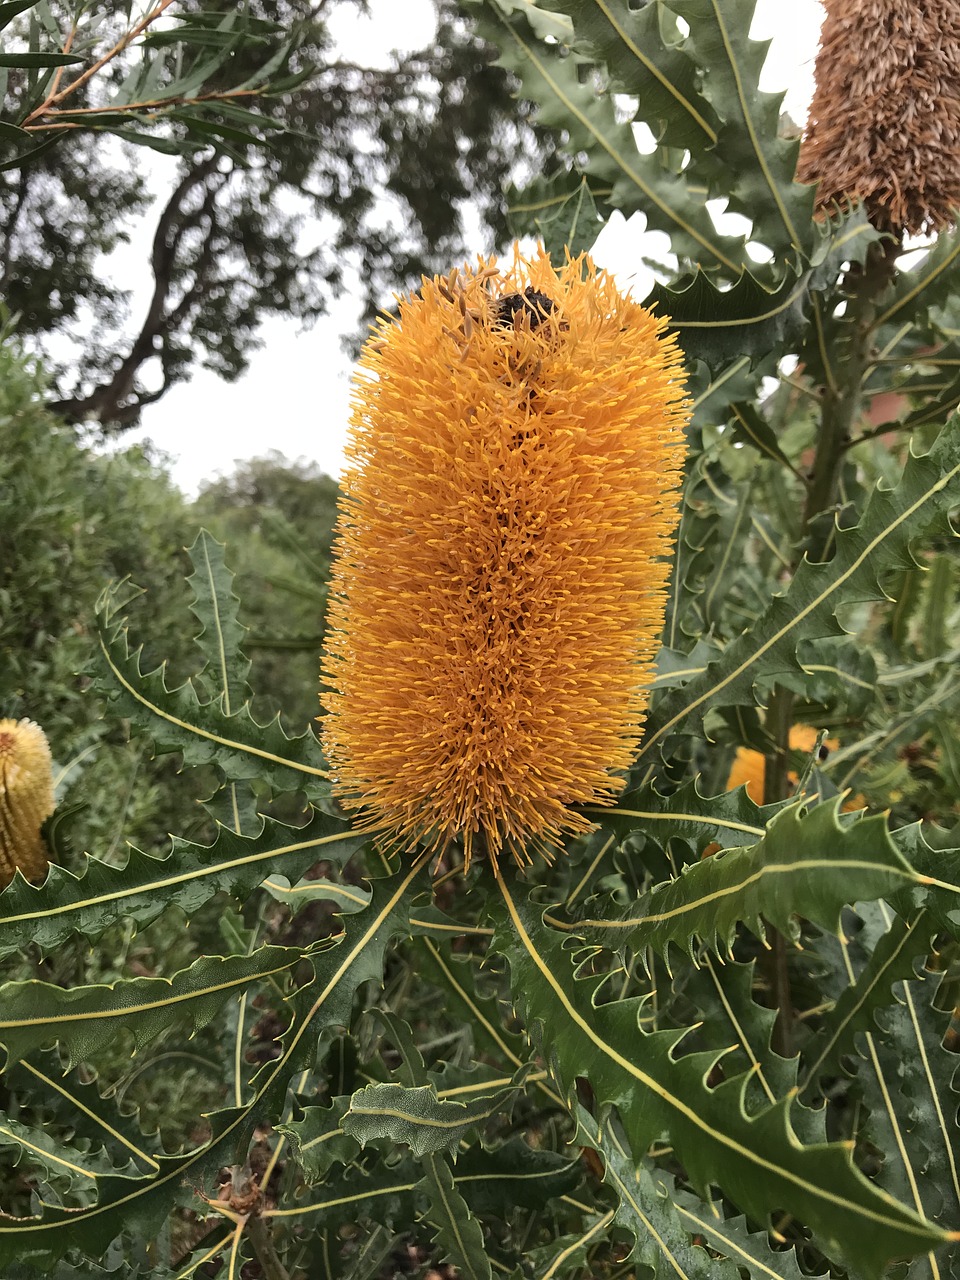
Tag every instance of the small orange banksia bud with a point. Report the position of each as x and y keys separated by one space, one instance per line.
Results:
x=26 y=799
x=498 y=585
x=884 y=125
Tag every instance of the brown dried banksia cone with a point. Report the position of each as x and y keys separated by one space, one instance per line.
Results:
x=884 y=125
x=26 y=799
x=498 y=586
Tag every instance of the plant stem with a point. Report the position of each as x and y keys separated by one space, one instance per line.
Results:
x=841 y=410
x=259 y=1233
x=842 y=403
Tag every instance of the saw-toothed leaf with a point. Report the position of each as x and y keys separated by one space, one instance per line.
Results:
x=891 y=961
x=356 y=957
x=84 y=1164
x=661 y=1242
x=81 y=1019
x=562 y=211
x=730 y=820
x=499 y=1180
x=731 y=1022
x=612 y=159
x=177 y=720
x=733 y=1237
x=102 y=895
x=712 y=390
x=756 y=1160
x=215 y=606
x=457 y=1233
x=318 y=1139
x=929 y=283
x=929 y=487
x=71 y=1102
x=761 y=164
x=904 y=1083
x=806 y=865
x=937 y=888
x=417 y=1117
x=721 y=326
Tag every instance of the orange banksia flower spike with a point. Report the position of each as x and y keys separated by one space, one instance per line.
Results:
x=26 y=799
x=497 y=593
x=884 y=125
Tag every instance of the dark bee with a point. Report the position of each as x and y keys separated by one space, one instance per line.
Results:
x=536 y=305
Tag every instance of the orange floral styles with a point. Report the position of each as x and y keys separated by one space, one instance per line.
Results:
x=884 y=124
x=498 y=585
x=26 y=799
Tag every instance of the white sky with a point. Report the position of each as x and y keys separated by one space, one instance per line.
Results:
x=295 y=397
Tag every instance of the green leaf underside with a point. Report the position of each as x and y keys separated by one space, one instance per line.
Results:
x=807 y=610
x=756 y=1160
x=417 y=1117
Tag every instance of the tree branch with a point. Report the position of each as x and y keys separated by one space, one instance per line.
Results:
x=117 y=402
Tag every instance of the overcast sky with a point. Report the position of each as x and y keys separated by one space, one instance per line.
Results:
x=295 y=396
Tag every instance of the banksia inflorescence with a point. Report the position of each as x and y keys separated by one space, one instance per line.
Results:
x=884 y=125
x=498 y=584
x=26 y=799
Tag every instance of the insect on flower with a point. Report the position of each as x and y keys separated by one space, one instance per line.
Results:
x=498 y=587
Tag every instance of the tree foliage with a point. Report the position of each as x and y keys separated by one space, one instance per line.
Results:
x=270 y=173
x=715 y=1037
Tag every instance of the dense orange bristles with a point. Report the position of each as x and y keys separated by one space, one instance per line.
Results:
x=498 y=586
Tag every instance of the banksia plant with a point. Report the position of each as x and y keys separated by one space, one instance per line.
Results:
x=884 y=125
x=498 y=590
x=627 y=1057
x=26 y=799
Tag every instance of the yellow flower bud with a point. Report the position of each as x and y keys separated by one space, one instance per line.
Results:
x=498 y=587
x=26 y=799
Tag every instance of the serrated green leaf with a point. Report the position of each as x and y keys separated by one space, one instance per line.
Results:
x=890 y=962
x=928 y=283
x=37 y=1014
x=645 y=1210
x=761 y=164
x=177 y=720
x=497 y=1181
x=83 y=1163
x=319 y=1141
x=733 y=1238
x=215 y=606
x=806 y=865
x=928 y=489
x=418 y=1117
x=629 y=43
x=357 y=956
x=457 y=1232
x=748 y=320
x=730 y=820
x=637 y=181
x=756 y=1160
x=561 y=211
x=80 y=1105
x=102 y=895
